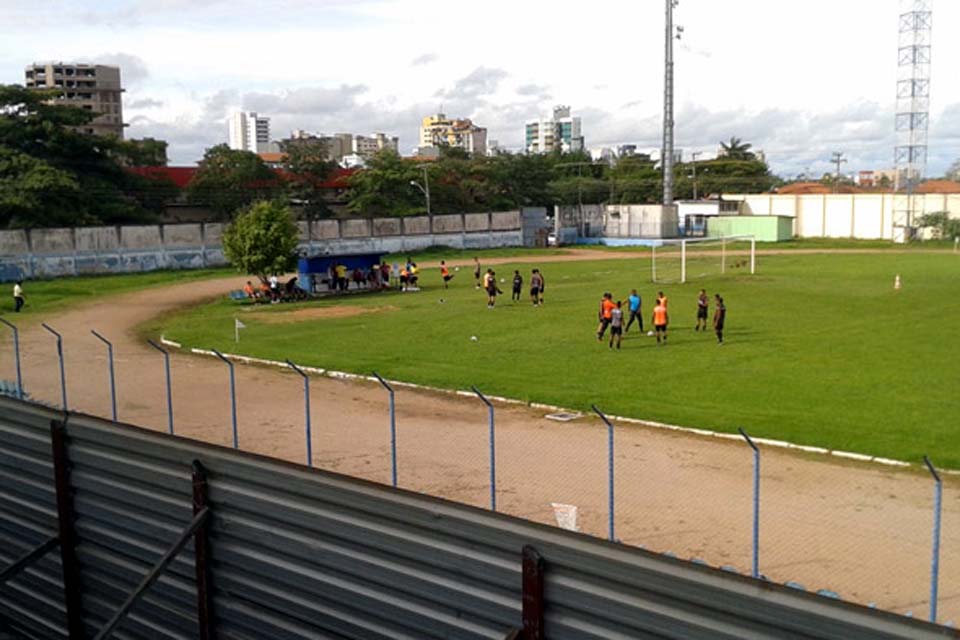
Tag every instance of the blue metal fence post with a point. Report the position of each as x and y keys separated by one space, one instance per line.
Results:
x=113 y=382
x=306 y=403
x=755 y=571
x=233 y=398
x=16 y=356
x=611 y=501
x=63 y=373
x=166 y=366
x=935 y=562
x=393 y=429
x=493 y=449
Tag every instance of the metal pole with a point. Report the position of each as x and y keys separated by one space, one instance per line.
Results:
x=66 y=530
x=667 y=159
x=393 y=429
x=426 y=183
x=166 y=364
x=16 y=356
x=753 y=255
x=683 y=262
x=113 y=382
x=233 y=397
x=493 y=449
x=63 y=374
x=695 y=154
x=306 y=403
x=610 y=474
x=201 y=555
x=755 y=572
x=935 y=563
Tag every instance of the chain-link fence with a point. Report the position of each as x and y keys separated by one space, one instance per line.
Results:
x=864 y=532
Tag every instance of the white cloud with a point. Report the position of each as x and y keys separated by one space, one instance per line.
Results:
x=798 y=80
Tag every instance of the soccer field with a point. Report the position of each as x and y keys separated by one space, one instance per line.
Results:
x=820 y=349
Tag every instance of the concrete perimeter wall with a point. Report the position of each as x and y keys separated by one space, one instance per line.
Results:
x=50 y=253
x=864 y=216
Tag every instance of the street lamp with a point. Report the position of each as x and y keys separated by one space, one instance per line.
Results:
x=425 y=187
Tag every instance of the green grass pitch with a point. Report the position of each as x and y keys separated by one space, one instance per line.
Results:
x=821 y=350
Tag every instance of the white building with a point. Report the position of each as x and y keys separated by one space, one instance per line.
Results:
x=249 y=132
x=561 y=131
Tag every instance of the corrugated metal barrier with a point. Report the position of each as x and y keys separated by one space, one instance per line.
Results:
x=290 y=552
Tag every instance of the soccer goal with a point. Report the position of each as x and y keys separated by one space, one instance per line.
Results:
x=696 y=258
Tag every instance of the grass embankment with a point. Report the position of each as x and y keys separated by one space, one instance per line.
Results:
x=46 y=297
x=820 y=348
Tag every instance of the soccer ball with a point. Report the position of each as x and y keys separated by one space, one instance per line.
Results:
x=456 y=268
x=474 y=338
x=502 y=280
x=650 y=333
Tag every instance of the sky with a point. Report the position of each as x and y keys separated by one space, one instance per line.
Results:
x=799 y=80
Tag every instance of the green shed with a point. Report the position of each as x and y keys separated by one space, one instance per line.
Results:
x=762 y=228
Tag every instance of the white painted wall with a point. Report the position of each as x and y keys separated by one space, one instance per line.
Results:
x=862 y=215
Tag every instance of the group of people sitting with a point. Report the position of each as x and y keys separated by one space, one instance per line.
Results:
x=270 y=290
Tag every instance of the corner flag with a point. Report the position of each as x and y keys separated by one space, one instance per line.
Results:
x=237 y=325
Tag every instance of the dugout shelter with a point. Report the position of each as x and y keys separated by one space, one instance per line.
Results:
x=313 y=272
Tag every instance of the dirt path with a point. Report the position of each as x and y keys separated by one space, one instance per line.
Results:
x=860 y=530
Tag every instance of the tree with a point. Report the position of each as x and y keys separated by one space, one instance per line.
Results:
x=941 y=224
x=147 y=152
x=383 y=187
x=737 y=150
x=228 y=180
x=953 y=173
x=262 y=240
x=307 y=166
x=53 y=175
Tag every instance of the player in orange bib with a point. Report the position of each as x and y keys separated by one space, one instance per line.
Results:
x=660 y=320
x=445 y=273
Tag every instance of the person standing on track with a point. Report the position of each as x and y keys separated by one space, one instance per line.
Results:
x=719 y=317
x=18 y=296
x=517 y=286
x=660 y=320
x=536 y=286
x=702 y=306
x=634 y=303
x=616 y=325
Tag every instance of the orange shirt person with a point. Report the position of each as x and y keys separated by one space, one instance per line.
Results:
x=607 y=305
x=248 y=289
x=660 y=320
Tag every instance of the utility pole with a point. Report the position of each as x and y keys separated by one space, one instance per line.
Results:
x=425 y=187
x=667 y=151
x=694 y=156
x=837 y=159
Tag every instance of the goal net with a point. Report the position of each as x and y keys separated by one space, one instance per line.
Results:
x=694 y=259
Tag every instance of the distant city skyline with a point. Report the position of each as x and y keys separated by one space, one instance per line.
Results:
x=798 y=80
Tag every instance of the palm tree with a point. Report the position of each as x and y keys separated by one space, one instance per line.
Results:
x=736 y=150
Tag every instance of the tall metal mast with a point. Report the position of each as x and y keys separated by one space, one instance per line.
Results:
x=913 y=112
x=666 y=157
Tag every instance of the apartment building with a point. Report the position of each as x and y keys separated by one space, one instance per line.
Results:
x=438 y=130
x=557 y=132
x=249 y=131
x=93 y=87
x=366 y=146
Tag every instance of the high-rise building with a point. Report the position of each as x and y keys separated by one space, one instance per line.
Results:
x=93 y=87
x=559 y=132
x=366 y=146
x=438 y=130
x=249 y=132
x=342 y=145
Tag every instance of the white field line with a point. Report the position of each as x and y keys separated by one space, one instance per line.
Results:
x=780 y=444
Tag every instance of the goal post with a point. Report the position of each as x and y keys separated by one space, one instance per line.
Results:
x=689 y=259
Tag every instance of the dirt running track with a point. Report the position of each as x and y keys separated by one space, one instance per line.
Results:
x=861 y=530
